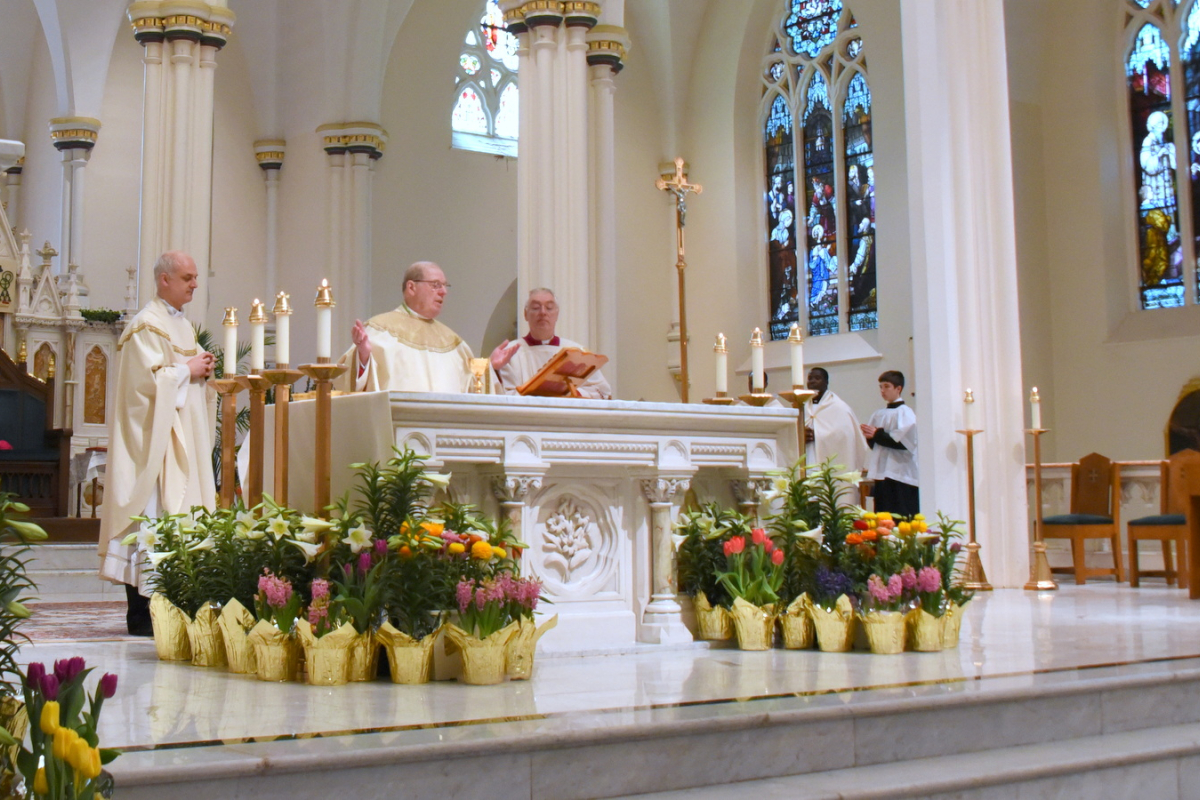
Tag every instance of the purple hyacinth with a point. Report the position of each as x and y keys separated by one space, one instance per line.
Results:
x=833 y=584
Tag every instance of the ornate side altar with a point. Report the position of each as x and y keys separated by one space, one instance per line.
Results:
x=592 y=486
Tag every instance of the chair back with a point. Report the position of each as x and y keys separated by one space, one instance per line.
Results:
x=1177 y=470
x=1091 y=486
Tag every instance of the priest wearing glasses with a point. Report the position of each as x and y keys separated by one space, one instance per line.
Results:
x=408 y=350
x=516 y=362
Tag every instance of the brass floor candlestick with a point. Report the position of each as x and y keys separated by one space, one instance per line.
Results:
x=799 y=397
x=975 y=578
x=282 y=379
x=228 y=388
x=1040 y=577
x=257 y=385
x=323 y=375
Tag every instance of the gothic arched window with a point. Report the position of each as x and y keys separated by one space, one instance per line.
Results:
x=1162 y=46
x=815 y=83
x=485 y=88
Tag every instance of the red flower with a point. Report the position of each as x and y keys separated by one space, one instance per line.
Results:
x=860 y=525
x=769 y=546
x=735 y=545
x=758 y=535
x=5 y=445
x=777 y=557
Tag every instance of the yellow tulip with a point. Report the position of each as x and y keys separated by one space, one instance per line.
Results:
x=62 y=743
x=84 y=759
x=50 y=718
x=40 y=784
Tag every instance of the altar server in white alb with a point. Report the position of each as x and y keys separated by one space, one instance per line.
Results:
x=833 y=433
x=408 y=350
x=516 y=362
x=161 y=429
x=892 y=435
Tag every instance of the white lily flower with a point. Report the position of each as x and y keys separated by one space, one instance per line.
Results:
x=306 y=536
x=440 y=480
x=158 y=558
x=927 y=537
x=188 y=524
x=677 y=541
x=278 y=527
x=310 y=550
x=245 y=522
x=147 y=537
x=206 y=543
x=780 y=484
x=854 y=477
x=315 y=525
x=250 y=533
x=817 y=534
x=359 y=539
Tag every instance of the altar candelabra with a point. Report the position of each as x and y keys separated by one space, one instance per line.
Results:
x=323 y=374
x=799 y=396
x=1040 y=577
x=282 y=379
x=228 y=387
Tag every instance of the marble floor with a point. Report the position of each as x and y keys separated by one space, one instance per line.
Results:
x=1010 y=639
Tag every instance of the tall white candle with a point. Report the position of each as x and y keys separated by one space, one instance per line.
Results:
x=757 y=372
x=230 y=325
x=1035 y=407
x=324 y=304
x=283 y=317
x=258 y=329
x=797 y=342
x=722 y=365
x=969 y=412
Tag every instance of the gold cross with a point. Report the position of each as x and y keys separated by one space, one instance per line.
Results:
x=679 y=187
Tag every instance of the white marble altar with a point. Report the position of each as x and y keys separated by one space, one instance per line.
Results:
x=591 y=485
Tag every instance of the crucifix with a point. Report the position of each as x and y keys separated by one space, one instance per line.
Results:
x=679 y=187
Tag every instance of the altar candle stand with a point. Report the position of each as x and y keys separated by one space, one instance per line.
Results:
x=799 y=396
x=257 y=386
x=322 y=374
x=975 y=578
x=758 y=379
x=228 y=387
x=1040 y=577
x=282 y=379
x=721 y=398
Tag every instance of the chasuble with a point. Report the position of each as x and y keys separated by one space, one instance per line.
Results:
x=836 y=434
x=161 y=435
x=409 y=353
x=531 y=355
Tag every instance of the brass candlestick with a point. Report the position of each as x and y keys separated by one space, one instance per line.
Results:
x=228 y=388
x=975 y=578
x=323 y=374
x=257 y=386
x=1040 y=577
x=799 y=397
x=756 y=398
x=719 y=399
x=282 y=379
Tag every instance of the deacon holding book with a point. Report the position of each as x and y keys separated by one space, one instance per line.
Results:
x=408 y=350
x=516 y=362
x=161 y=430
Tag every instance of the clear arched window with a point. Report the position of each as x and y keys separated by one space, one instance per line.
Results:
x=484 y=117
x=1162 y=47
x=821 y=254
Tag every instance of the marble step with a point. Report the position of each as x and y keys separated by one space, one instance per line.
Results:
x=67 y=573
x=1111 y=718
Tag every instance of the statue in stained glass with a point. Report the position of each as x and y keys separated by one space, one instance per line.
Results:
x=780 y=205
x=1190 y=52
x=860 y=203
x=485 y=109
x=821 y=220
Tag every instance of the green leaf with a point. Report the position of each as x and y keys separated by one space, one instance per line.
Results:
x=109 y=755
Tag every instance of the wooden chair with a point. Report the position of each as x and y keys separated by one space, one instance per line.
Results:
x=1095 y=514
x=37 y=467
x=1170 y=525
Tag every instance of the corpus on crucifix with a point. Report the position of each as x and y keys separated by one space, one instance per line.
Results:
x=679 y=186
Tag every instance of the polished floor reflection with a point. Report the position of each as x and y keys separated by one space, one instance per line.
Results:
x=1009 y=637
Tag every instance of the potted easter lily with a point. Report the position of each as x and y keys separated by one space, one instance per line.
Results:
x=753 y=577
x=358 y=576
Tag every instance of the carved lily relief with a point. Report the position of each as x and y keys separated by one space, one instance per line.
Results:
x=568 y=542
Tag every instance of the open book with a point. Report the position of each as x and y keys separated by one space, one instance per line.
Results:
x=563 y=373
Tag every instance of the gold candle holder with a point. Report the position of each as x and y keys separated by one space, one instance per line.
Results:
x=257 y=385
x=1040 y=577
x=756 y=398
x=228 y=388
x=799 y=398
x=974 y=576
x=281 y=378
x=323 y=375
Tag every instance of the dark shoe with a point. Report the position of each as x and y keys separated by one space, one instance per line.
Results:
x=137 y=618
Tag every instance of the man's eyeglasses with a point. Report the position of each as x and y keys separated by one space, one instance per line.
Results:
x=437 y=285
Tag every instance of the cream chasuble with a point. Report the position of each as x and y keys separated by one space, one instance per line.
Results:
x=836 y=433
x=161 y=436
x=531 y=355
x=409 y=353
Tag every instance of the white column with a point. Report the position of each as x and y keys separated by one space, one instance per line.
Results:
x=150 y=234
x=360 y=277
x=527 y=80
x=604 y=222
x=79 y=159
x=662 y=620
x=272 y=179
x=64 y=232
x=182 y=58
x=964 y=266
x=575 y=144
x=199 y=203
x=12 y=189
x=544 y=46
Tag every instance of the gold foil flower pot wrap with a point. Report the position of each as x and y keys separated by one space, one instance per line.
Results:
x=521 y=647
x=327 y=657
x=483 y=660
x=834 y=629
x=235 y=622
x=14 y=718
x=364 y=657
x=951 y=625
x=204 y=636
x=410 y=660
x=885 y=631
x=714 y=622
x=797 y=624
x=924 y=631
x=754 y=625
x=170 y=629
x=276 y=654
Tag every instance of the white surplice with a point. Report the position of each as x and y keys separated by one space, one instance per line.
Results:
x=887 y=462
x=531 y=355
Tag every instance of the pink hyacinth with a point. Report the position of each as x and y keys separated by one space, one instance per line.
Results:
x=878 y=590
x=895 y=587
x=320 y=589
x=529 y=591
x=908 y=576
x=278 y=591
x=464 y=593
x=929 y=579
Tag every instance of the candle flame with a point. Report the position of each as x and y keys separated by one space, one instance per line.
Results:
x=1034 y=397
x=756 y=339
x=969 y=397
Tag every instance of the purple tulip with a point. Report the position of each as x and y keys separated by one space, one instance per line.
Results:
x=50 y=687
x=108 y=685
x=364 y=564
x=34 y=673
x=954 y=548
x=380 y=548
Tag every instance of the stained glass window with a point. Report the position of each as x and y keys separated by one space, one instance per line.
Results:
x=860 y=204
x=1191 y=74
x=812 y=24
x=780 y=205
x=1148 y=74
x=820 y=221
x=484 y=117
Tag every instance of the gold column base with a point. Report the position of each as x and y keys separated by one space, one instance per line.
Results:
x=974 y=577
x=757 y=398
x=1040 y=577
